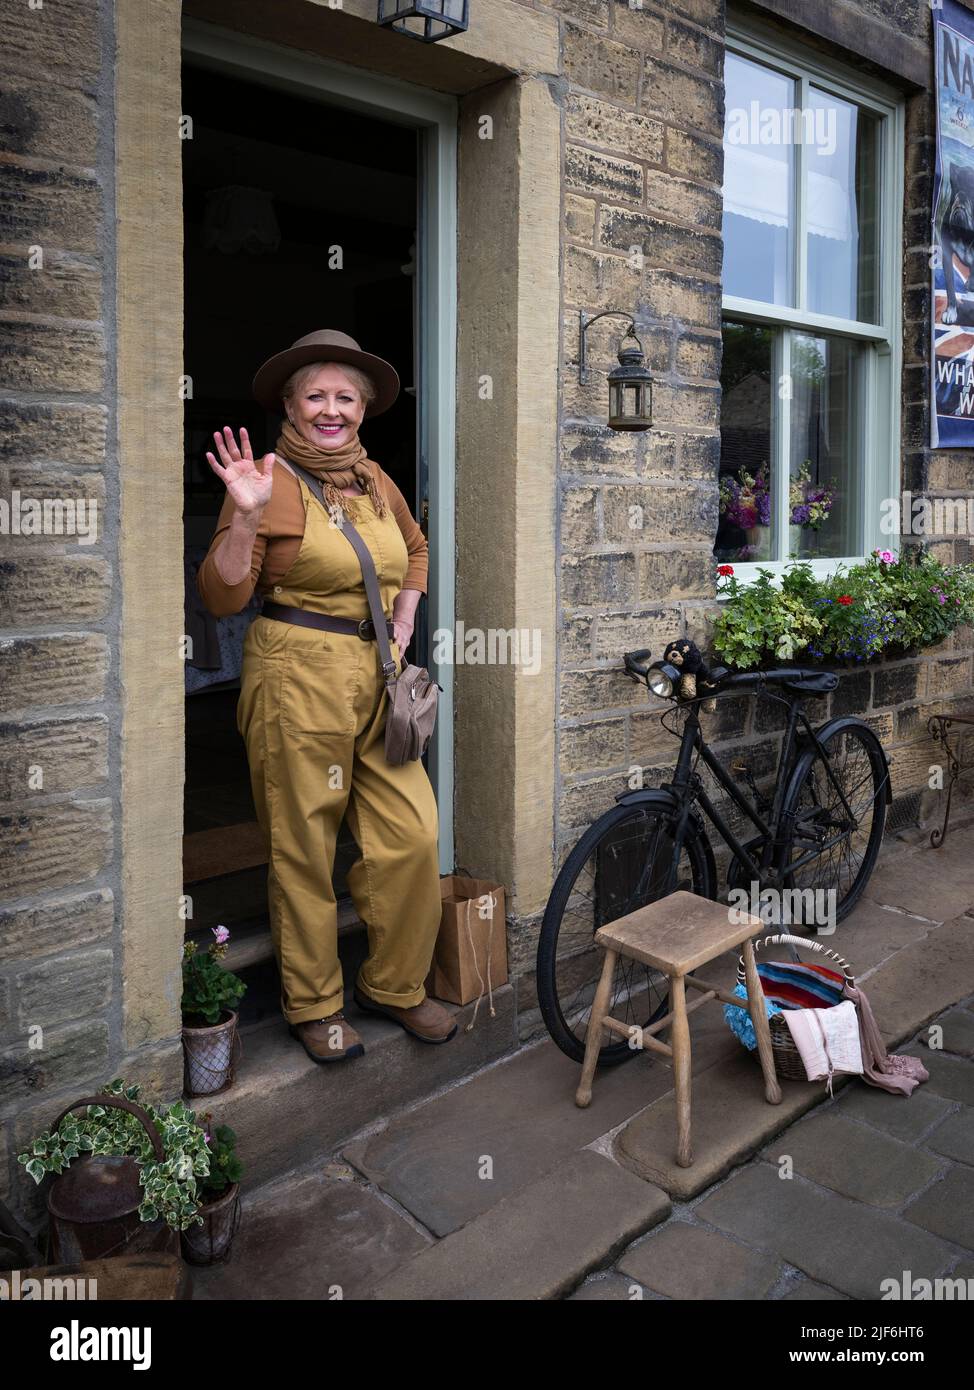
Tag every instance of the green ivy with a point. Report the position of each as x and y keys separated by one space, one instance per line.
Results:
x=171 y=1187
x=760 y=620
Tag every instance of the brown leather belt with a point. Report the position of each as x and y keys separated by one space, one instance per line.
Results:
x=301 y=617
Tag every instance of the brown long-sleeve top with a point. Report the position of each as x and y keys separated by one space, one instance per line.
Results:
x=279 y=539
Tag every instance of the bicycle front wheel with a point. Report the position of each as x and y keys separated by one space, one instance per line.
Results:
x=621 y=863
x=835 y=816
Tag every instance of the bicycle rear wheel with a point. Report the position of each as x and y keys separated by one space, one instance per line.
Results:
x=827 y=851
x=620 y=864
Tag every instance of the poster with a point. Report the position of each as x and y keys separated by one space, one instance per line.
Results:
x=952 y=259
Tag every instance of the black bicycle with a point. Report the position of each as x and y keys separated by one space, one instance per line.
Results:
x=818 y=828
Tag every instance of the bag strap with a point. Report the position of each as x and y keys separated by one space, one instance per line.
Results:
x=389 y=667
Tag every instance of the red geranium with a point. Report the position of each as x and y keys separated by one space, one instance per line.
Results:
x=844 y=598
x=723 y=570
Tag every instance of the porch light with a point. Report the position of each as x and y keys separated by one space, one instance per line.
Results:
x=426 y=20
x=630 y=384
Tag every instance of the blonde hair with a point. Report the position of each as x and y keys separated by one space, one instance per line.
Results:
x=296 y=381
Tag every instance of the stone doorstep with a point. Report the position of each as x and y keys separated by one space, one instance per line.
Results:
x=538 y=1243
x=290 y=1110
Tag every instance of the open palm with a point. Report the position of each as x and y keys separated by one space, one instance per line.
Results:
x=248 y=484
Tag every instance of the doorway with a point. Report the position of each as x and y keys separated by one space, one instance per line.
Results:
x=313 y=197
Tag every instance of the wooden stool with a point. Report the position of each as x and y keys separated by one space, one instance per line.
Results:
x=675 y=935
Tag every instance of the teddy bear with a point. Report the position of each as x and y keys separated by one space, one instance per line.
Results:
x=688 y=659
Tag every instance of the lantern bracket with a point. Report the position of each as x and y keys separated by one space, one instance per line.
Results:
x=583 y=326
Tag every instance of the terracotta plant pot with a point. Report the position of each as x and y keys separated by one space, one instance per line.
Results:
x=209 y=1054
x=209 y=1243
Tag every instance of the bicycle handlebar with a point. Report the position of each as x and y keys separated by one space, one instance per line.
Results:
x=637 y=665
x=778 y=675
x=632 y=660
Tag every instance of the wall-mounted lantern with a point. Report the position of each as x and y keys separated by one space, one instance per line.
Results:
x=426 y=20
x=630 y=384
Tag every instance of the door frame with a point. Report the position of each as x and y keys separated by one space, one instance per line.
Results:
x=435 y=117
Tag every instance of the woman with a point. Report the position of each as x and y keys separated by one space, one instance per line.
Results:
x=313 y=701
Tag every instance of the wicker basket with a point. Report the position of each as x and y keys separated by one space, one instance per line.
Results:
x=787 y=1059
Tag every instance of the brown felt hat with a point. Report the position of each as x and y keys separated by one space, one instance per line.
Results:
x=325 y=345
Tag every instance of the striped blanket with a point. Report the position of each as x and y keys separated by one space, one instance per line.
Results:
x=794 y=985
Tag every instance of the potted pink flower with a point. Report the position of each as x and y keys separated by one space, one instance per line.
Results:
x=210 y=995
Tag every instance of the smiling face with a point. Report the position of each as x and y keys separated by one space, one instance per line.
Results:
x=326 y=407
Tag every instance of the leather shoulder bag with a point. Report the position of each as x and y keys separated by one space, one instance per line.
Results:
x=413 y=693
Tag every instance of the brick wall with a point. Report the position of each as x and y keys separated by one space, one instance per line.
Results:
x=58 y=608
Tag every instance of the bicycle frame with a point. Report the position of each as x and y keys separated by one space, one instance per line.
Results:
x=686 y=787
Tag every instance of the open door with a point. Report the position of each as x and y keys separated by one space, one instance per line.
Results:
x=302 y=211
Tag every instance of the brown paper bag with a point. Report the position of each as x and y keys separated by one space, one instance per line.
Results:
x=470 y=958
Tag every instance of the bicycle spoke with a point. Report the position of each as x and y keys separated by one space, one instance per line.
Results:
x=626 y=871
x=822 y=811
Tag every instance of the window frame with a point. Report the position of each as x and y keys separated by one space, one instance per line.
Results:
x=878 y=425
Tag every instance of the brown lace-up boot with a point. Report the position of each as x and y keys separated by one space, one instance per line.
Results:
x=428 y=1021
x=331 y=1039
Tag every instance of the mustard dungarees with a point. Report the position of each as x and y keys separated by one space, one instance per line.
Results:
x=312 y=713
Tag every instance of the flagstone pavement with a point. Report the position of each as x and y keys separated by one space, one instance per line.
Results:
x=499 y=1187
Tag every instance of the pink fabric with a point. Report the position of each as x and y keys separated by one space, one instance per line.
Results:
x=899 y=1075
x=828 y=1040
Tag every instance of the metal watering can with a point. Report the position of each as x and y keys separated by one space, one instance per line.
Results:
x=94 y=1206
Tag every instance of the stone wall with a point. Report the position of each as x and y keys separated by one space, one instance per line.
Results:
x=940 y=681
x=643 y=115
x=58 y=602
x=61 y=1027
x=643 y=169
